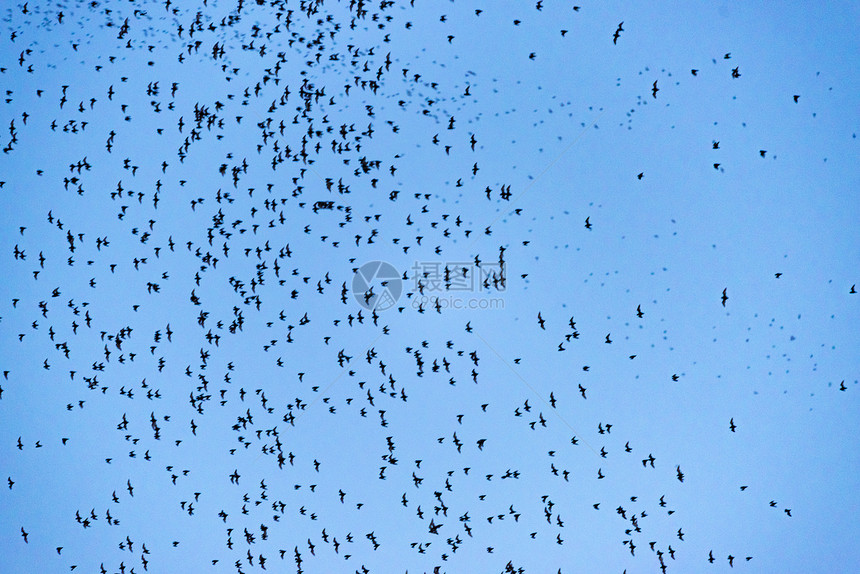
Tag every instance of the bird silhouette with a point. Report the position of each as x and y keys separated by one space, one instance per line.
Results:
x=617 y=33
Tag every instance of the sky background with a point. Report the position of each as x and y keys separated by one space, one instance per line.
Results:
x=748 y=185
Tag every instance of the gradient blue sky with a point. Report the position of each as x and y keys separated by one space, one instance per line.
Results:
x=566 y=123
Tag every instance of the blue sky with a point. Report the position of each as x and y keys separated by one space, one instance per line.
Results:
x=622 y=216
